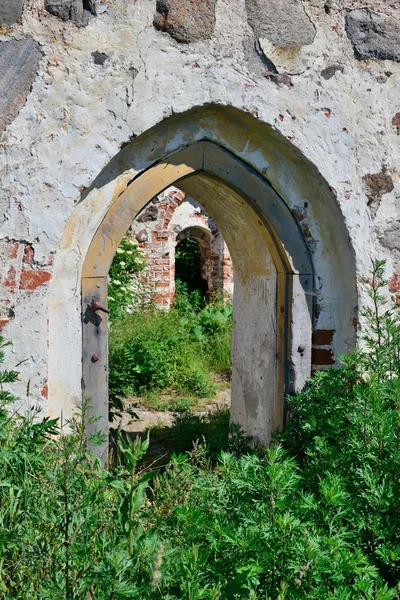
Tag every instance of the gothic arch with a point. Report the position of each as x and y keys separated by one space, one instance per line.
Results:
x=285 y=233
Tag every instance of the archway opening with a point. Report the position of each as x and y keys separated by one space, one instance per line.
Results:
x=170 y=340
x=283 y=225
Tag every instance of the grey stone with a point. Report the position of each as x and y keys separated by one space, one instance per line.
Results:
x=396 y=121
x=329 y=72
x=373 y=35
x=390 y=238
x=10 y=11
x=283 y=22
x=149 y=214
x=71 y=10
x=255 y=58
x=99 y=58
x=186 y=21
x=19 y=61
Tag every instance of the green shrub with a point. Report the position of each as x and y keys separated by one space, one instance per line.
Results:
x=123 y=289
x=167 y=351
x=69 y=529
x=314 y=517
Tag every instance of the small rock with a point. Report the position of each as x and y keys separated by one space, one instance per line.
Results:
x=19 y=63
x=396 y=120
x=390 y=237
x=329 y=72
x=99 y=58
x=149 y=214
x=279 y=77
x=142 y=236
x=77 y=11
x=373 y=35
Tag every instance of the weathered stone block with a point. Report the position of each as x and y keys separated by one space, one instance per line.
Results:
x=186 y=20
x=10 y=11
x=373 y=35
x=19 y=61
x=149 y=214
x=71 y=10
x=283 y=22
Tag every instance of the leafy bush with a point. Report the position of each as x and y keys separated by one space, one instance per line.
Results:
x=314 y=517
x=170 y=351
x=123 y=288
x=69 y=529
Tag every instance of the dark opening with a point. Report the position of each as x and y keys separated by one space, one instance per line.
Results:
x=188 y=266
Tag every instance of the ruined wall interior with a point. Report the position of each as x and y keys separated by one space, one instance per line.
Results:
x=168 y=219
x=82 y=80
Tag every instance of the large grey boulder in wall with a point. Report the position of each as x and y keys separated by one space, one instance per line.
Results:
x=373 y=35
x=19 y=62
x=10 y=11
x=283 y=22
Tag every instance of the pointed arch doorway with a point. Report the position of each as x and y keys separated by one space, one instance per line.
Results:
x=240 y=171
x=248 y=213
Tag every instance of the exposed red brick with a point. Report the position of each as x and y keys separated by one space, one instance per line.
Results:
x=13 y=249
x=3 y=322
x=394 y=283
x=30 y=279
x=323 y=337
x=11 y=278
x=322 y=356
x=29 y=254
x=45 y=391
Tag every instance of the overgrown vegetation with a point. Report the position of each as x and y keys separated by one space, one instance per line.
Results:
x=188 y=266
x=171 y=351
x=125 y=293
x=315 y=516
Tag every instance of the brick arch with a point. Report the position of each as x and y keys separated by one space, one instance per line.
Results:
x=156 y=229
x=251 y=181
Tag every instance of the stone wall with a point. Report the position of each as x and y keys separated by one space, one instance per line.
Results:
x=158 y=229
x=85 y=77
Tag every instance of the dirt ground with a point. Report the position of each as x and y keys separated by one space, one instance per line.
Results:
x=150 y=418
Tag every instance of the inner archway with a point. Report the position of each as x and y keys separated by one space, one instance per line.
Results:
x=262 y=279
x=220 y=161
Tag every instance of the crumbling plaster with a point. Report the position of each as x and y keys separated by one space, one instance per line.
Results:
x=79 y=114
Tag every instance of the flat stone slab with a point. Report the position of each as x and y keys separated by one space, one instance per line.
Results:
x=373 y=35
x=10 y=11
x=19 y=62
x=283 y=22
